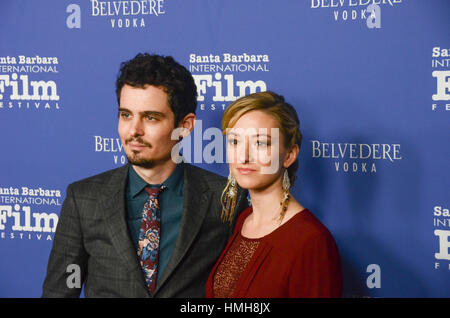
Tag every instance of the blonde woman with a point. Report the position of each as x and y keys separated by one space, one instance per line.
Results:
x=278 y=248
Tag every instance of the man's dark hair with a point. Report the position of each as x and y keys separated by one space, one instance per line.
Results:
x=161 y=71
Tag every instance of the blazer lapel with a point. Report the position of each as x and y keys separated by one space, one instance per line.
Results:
x=195 y=208
x=114 y=209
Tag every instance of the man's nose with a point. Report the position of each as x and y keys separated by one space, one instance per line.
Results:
x=136 y=128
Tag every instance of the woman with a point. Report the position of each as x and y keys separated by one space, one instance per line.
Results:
x=278 y=248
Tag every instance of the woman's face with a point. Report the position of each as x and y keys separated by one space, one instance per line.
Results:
x=255 y=150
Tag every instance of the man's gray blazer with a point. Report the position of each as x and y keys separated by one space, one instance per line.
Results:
x=92 y=233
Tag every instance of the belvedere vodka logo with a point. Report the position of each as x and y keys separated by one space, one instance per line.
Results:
x=28 y=83
x=25 y=213
x=348 y=157
x=223 y=78
x=368 y=11
x=440 y=64
x=127 y=14
x=111 y=147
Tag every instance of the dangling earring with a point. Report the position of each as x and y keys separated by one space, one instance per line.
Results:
x=228 y=199
x=286 y=181
x=286 y=184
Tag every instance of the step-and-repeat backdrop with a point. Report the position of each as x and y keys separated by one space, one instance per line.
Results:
x=370 y=80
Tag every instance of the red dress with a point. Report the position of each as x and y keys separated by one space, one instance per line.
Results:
x=299 y=259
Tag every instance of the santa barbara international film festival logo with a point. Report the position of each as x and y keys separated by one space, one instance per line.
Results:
x=26 y=212
x=223 y=78
x=441 y=223
x=367 y=11
x=122 y=14
x=29 y=83
x=440 y=64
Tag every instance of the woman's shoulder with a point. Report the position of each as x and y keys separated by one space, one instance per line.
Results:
x=302 y=228
x=311 y=224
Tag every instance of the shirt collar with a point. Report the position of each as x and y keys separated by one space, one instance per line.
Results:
x=137 y=184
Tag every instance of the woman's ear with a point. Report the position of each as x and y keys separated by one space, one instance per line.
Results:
x=291 y=156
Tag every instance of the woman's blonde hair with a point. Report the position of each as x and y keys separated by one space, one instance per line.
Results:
x=287 y=120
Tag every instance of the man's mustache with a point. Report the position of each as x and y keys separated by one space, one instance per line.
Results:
x=138 y=140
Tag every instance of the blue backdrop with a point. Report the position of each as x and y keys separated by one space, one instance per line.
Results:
x=370 y=80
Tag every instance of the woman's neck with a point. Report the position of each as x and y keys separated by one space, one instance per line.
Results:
x=266 y=203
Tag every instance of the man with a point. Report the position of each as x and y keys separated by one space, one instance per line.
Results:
x=151 y=228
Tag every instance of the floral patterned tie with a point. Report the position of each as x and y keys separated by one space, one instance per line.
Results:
x=149 y=236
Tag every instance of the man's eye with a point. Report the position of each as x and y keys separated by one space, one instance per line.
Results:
x=124 y=115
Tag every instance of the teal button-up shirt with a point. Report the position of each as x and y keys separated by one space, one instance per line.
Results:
x=171 y=204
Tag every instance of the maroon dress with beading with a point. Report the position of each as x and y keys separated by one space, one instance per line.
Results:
x=299 y=259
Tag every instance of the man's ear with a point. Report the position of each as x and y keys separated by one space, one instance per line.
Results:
x=187 y=123
x=291 y=156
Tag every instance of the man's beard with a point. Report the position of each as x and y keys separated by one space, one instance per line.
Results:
x=134 y=158
x=140 y=162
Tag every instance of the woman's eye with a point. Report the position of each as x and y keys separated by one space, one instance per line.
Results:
x=260 y=143
x=232 y=141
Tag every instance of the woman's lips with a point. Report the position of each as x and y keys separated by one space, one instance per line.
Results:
x=245 y=170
